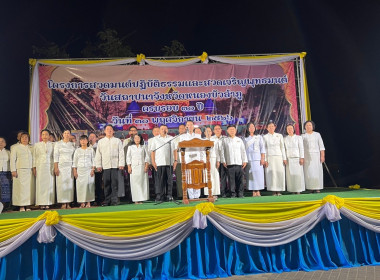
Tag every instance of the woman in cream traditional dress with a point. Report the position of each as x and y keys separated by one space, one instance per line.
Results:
x=295 y=181
x=23 y=179
x=314 y=157
x=275 y=160
x=255 y=149
x=43 y=169
x=84 y=171
x=63 y=162
x=138 y=164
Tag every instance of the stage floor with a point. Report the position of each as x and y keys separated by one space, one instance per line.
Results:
x=266 y=197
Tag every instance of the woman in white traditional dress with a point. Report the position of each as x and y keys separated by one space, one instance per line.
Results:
x=275 y=159
x=63 y=162
x=84 y=171
x=314 y=157
x=43 y=169
x=255 y=149
x=138 y=165
x=295 y=181
x=23 y=179
x=214 y=163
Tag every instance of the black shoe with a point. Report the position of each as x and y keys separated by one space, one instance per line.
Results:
x=170 y=198
x=241 y=195
x=105 y=204
x=223 y=196
x=233 y=195
x=115 y=203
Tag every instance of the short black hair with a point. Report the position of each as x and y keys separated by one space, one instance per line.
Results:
x=141 y=140
x=286 y=128
x=84 y=137
x=312 y=123
x=164 y=125
x=132 y=126
x=231 y=125
x=25 y=133
x=189 y=121
x=218 y=125
x=271 y=122
x=1 y=137
x=47 y=130
x=110 y=125
x=181 y=125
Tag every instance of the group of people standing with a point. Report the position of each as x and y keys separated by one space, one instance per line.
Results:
x=50 y=172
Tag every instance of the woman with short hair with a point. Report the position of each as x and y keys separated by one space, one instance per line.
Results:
x=43 y=169
x=295 y=181
x=23 y=193
x=275 y=159
x=255 y=149
x=84 y=172
x=314 y=157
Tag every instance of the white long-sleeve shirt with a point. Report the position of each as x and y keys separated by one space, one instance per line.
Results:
x=294 y=146
x=274 y=145
x=21 y=157
x=234 y=151
x=162 y=155
x=63 y=152
x=5 y=157
x=254 y=147
x=137 y=155
x=313 y=142
x=190 y=153
x=43 y=153
x=84 y=157
x=217 y=151
x=109 y=153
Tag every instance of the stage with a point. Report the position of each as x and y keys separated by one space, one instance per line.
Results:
x=338 y=227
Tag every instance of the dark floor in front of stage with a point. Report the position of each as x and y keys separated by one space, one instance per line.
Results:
x=355 y=273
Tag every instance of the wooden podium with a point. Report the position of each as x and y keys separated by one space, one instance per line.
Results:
x=193 y=173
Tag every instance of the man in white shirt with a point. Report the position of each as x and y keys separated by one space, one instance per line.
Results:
x=155 y=132
x=178 y=170
x=162 y=158
x=99 y=194
x=110 y=158
x=235 y=161
x=190 y=154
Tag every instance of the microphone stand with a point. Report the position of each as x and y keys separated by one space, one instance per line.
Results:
x=170 y=166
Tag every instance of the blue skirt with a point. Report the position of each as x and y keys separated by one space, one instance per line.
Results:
x=5 y=186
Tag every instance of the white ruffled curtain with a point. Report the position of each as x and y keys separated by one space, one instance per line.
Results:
x=168 y=63
x=148 y=246
x=257 y=60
